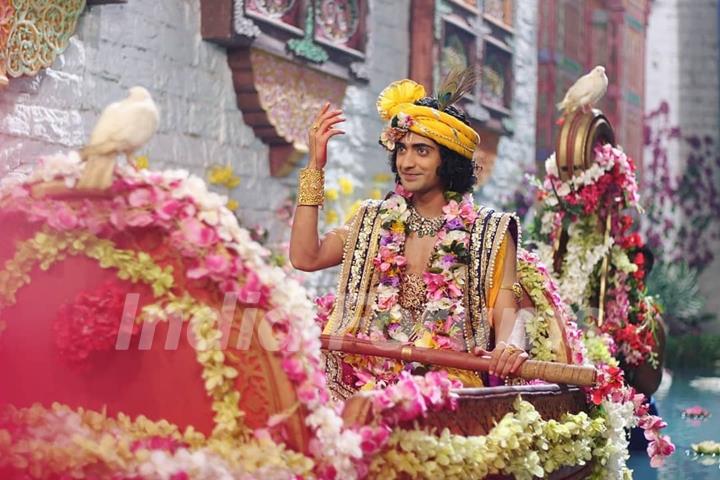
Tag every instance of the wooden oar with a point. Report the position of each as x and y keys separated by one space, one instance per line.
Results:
x=531 y=370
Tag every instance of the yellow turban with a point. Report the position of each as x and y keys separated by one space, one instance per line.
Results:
x=396 y=104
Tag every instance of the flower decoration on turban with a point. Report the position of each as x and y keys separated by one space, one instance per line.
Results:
x=396 y=104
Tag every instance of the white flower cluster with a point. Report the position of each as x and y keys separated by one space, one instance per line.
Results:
x=198 y=464
x=337 y=444
x=619 y=417
x=584 y=251
x=57 y=166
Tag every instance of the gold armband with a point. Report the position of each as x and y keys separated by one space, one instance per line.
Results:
x=311 y=187
x=516 y=290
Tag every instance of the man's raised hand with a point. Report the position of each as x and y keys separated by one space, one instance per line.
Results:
x=321 y=130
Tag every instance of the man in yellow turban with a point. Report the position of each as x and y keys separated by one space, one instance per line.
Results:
x=425 y=265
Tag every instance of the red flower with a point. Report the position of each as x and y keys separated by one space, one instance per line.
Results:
x=639 y=259
x=609 y=380
x=91 y=323
x=631 y=241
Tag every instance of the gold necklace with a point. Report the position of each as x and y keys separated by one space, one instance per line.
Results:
x=424 y=226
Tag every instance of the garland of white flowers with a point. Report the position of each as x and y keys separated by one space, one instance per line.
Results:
x=585 y=248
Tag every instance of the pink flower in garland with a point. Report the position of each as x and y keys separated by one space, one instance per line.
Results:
x=198 y=233
x=294 y=368
x=400 y=190
x=412 y=397
x=465 y=212
x=214 y=263
x=387 y=259
x=659 y=449
x=63 y=218
x=324 y=308
x=141 y=198
x=439 y=288
x=373 y=438
x=652 y=424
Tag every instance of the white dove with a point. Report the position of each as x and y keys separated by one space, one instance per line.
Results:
x=123 y=127
x=585 y=92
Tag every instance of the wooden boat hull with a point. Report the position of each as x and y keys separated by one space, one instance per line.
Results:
x=479 y=409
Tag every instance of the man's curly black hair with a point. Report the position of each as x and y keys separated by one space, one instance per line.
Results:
x=456 y=172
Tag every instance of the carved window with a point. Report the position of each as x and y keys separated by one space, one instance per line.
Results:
x=288 y=57
x=476 y=32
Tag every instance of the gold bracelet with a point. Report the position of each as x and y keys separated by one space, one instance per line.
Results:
x=516 y=289
x=311 y=187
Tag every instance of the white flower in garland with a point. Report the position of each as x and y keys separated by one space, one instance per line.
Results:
x=551 y=167
x=619 y=417
x=584 y=250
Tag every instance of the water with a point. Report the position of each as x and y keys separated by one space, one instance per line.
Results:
x=688 y=388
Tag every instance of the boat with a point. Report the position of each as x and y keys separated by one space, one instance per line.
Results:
x=122 y=355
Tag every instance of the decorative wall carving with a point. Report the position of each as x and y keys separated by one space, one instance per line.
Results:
x=288 y=57
x=279 y=98
x=33 y=33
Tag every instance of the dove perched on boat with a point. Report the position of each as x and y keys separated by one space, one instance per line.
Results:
x=123 y=127
x=585 y=92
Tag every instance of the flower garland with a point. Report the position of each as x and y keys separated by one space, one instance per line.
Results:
x=80 y=443
x=443 y=323
x=578 y=204
x=444 y=281
x=521 y=444
x=534 y=278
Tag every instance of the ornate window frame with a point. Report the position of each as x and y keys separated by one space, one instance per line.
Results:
x=287 y=59
x=486 y=35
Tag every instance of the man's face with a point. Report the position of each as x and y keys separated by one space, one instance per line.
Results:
x=417 y=160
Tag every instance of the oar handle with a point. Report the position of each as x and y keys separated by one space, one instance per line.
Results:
x=531 y=370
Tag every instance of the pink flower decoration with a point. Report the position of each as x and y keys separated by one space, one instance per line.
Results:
x=373 y=438
x=400 y=190
x=659 y=449
x=197 y=233
x=63 y=218
x=141 y=197
x=651 y=424
x=168 y=209
x=294 y=368
x=451 y=210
